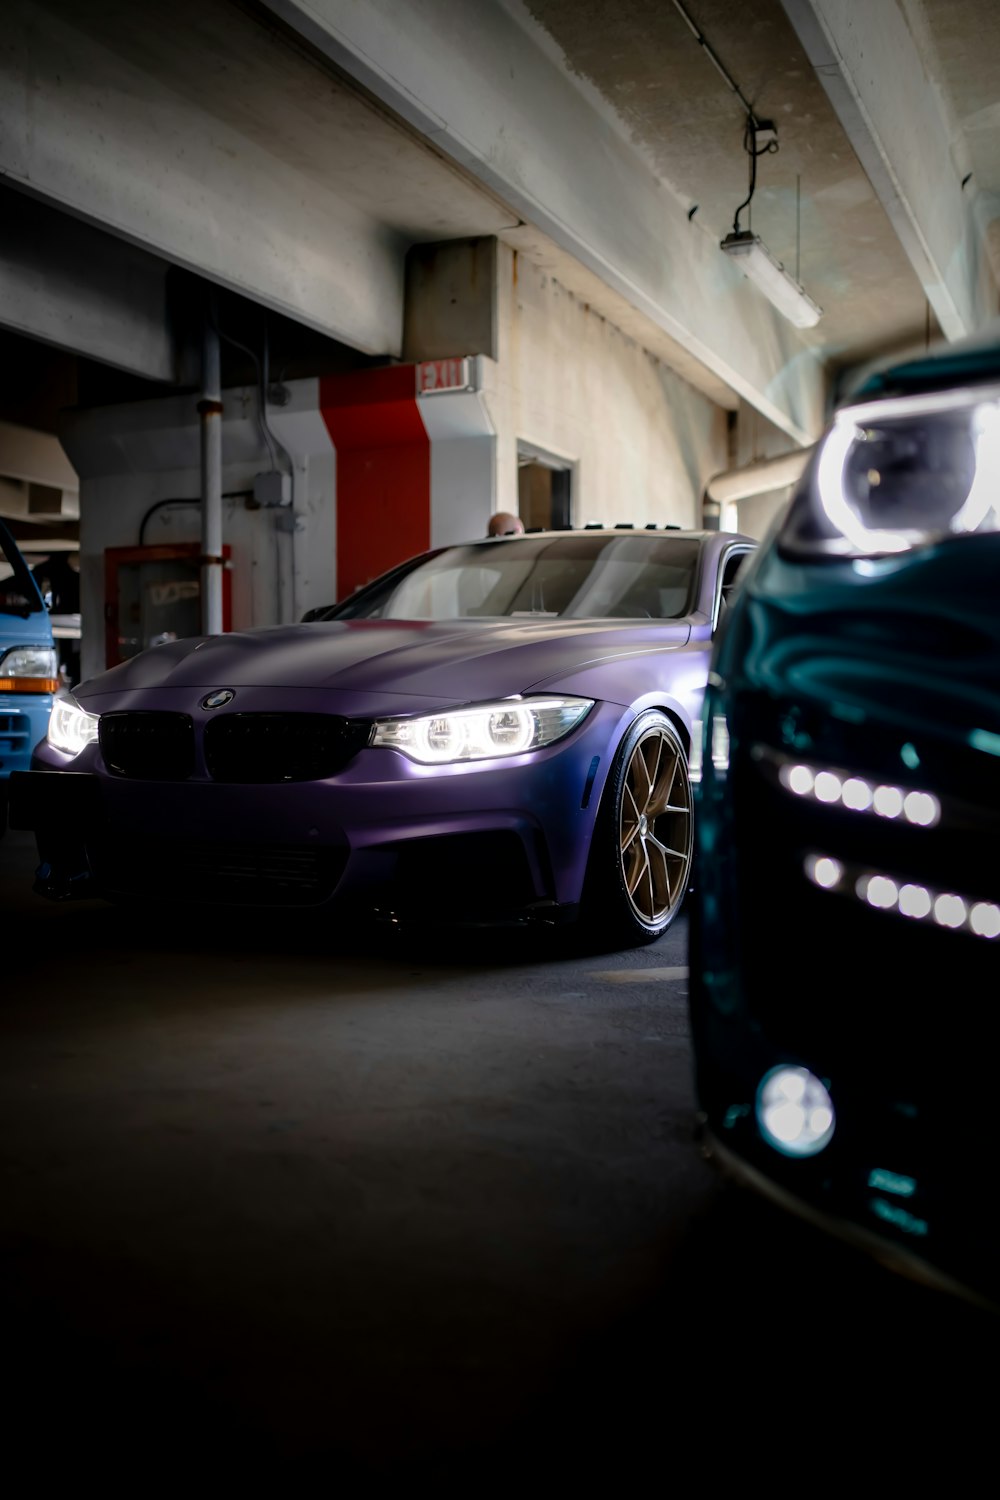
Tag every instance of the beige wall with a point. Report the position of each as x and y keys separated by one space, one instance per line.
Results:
x=753 y=437
x=641 y=440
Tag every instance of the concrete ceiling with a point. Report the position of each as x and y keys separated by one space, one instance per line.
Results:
x=213 y=134
x=961 y=45
x=814 y=206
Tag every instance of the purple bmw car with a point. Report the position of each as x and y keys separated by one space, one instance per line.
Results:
x=496 y=731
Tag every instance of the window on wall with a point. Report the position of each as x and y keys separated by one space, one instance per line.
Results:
x=544 y=490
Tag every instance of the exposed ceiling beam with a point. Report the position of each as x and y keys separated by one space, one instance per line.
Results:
x=77 y=288
x=33 y=457
x=868 y=61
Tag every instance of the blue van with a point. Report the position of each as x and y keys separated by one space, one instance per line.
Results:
x=29 y=671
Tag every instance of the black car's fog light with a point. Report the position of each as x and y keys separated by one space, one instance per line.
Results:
x=795 y=1112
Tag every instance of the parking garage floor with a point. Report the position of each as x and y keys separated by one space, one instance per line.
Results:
x=281 y=1204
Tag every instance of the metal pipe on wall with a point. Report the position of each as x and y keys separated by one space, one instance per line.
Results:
x=758 y=477
x=210 y=412
x=723 y=491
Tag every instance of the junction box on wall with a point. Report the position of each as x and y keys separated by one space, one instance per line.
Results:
x=272 y=488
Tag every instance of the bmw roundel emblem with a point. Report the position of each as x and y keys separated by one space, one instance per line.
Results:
x=218 y=699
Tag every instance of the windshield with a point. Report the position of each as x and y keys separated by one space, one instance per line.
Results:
x=18 y=593
x=538 y=577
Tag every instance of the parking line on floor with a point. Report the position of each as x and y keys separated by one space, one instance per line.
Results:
x=638 y=976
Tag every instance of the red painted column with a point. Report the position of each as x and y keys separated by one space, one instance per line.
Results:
x=383 y=471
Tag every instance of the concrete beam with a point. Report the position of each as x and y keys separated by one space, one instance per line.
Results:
x=869 y=62
x=13 y=498
x=479 y=84
x=127 y=118
x=38 y=503
x=70 y=285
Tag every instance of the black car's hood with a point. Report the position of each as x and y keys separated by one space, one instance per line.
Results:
x=455 y=661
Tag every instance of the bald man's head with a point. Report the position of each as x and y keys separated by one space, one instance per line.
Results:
x=505 y=524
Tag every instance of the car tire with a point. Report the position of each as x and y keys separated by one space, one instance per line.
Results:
x=640 y=858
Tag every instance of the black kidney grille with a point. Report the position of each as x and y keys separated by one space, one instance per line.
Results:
x=281 y=747
x=148 y=746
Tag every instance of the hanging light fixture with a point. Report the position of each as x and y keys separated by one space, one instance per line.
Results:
x=760 y=137
x=749 y=250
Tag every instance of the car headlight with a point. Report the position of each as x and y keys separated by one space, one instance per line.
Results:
x=70 y=726
x=897 y=474
x=29 y=669
x=483 y=731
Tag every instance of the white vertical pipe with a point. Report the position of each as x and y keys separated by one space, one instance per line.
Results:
x=210 y=411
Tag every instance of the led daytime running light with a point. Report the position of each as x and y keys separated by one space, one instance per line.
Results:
x=843 y=789
x=905 y=898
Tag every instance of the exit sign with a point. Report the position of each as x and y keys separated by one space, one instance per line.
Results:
x=435 y=376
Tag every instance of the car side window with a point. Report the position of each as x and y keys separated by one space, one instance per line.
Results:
x=731 y=572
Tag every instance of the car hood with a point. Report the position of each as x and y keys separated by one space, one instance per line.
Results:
x=446 y=662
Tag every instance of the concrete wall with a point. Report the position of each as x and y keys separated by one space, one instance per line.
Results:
x=284 y=560
x=752 y=438
x=131 y=457
x=756 y=515
x=642 y=441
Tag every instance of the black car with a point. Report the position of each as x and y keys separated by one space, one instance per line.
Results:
x=846 y=922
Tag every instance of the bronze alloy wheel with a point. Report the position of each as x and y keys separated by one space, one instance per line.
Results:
x=640 y=856
x=654 y=825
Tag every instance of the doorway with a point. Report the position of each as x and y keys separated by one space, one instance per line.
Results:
x=544 y=490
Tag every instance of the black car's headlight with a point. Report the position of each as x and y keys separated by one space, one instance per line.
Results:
x=893 y=475
x=71 y=728
x=483 y=731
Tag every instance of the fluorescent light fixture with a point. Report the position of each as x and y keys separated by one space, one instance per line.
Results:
x=778 y=287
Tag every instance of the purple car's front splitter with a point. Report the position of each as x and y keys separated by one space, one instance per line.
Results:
x=507 y=838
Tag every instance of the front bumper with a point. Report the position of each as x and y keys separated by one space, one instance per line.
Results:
x=910 y=1169
x=24 y=719
x=899 y=1258
x=500 y=840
